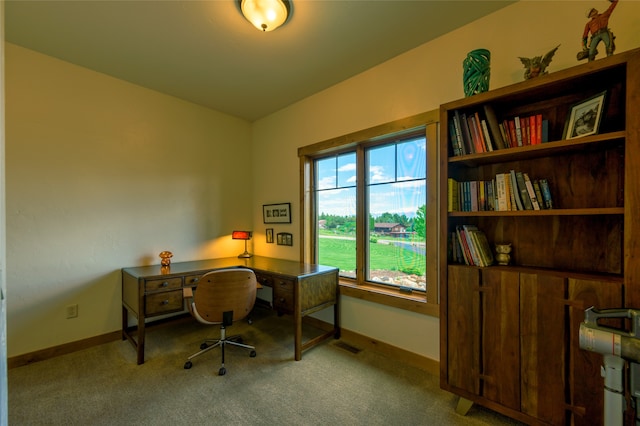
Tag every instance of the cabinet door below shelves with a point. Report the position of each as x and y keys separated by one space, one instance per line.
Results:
x=501 y=337
x=543 y=340
x=585 y=382
x=554 y=368
x=483 y=313
x=463 y=328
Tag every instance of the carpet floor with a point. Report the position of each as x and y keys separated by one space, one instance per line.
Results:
x=331 y=385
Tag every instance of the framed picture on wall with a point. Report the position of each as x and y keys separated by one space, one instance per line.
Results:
x=276 y=213
x=269 y=235
x=285 y=239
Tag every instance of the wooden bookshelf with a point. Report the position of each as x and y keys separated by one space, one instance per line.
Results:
x=509 y=334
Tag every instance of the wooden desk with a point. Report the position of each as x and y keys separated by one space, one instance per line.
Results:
x=299 y=289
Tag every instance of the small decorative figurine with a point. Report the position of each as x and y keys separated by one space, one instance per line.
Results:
x=537 y=65
x=166 y=258
x=503 y=256
x=598 y=27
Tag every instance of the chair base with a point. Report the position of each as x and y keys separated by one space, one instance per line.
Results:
x=235 y=340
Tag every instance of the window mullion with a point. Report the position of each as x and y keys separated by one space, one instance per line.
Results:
x=362 y=222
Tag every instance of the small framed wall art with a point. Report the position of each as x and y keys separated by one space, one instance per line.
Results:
x=269 y=235
x=276 y=213
x=285 y=239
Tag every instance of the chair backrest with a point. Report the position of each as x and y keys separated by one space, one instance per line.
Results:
x=225 y=290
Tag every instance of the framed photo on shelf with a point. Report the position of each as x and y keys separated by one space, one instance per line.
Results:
x=276 y=213
x=584 y=117
x=285 y=239
x=269 y=235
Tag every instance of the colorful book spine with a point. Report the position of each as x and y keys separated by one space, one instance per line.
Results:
x=516 y=192
x=501 y=193
x=497 y=135
x=516 y=123
x=532 y=192
x=538 y=191
x=524 y=193
x=487 y=136
x=546 y=193
x=538 y=124
x=455 y=148
x=452 y=195
x=458 y=130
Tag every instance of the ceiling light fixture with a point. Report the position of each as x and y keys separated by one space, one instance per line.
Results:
x=265 y=15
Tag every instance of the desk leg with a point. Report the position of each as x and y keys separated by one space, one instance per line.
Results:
x=127 y=335
x=125 y=321
x=336 y=321
x=297 y=319
x=141 y=333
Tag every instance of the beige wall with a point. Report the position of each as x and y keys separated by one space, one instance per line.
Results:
x=4 y=418
x=418 y=81
x=103 y=174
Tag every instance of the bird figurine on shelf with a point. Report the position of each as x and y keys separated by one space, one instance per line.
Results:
x=537 y=66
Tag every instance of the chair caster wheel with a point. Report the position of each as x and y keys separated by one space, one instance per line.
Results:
x=252 y=354
x=222 y=371
x=204 y=346
x=188 y=365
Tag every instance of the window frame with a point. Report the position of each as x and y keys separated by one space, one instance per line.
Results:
x=421 y=302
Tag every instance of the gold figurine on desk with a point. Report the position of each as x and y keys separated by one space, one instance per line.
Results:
x=165 y=261
x=166 y=258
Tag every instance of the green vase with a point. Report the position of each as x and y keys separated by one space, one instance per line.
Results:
x=476 y=72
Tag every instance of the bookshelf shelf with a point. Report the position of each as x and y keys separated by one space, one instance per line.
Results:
x=509 y=334
x=535 y=151
x=537 y=213
x=611 y=278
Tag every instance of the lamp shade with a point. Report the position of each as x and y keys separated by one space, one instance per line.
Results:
x=241 y=235
x=265 y=15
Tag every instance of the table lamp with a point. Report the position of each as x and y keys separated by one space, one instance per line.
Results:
x=242 y=235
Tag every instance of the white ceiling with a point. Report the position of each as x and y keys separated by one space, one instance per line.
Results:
x=207 y=53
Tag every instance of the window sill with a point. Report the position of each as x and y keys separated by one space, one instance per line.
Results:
x=372 y=293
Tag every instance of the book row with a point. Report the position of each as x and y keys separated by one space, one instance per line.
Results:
x=476 y=132
x=510 y=191
x=470 y=246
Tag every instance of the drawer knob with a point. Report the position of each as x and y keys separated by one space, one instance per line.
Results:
x=165 y=284
x=165 y=302
x=195 y=280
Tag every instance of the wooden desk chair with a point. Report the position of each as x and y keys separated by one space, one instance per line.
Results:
x=222 y=297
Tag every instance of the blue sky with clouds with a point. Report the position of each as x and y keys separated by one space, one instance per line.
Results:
x=396 y=180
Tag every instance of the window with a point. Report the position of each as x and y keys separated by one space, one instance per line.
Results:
x=366 y=210
x=396 y=203
x=335 y=184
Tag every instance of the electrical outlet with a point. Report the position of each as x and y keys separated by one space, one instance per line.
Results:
x=72 y=311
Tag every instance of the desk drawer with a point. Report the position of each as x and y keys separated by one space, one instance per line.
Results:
x=163 y=284
x=192 y=280
x=283 y=295
x=163 y=303
x=265 y=280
